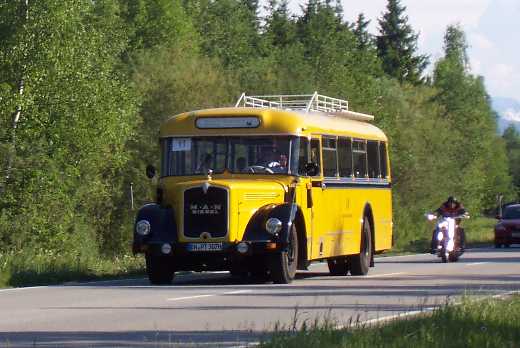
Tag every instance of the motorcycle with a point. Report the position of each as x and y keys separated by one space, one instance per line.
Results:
x=448 y=234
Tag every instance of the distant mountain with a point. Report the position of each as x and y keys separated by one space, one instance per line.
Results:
x=508 y=111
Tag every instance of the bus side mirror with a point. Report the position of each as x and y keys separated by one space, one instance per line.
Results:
x=311 y=169
x=150 y=171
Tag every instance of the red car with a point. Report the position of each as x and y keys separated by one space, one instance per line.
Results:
x=507 y=230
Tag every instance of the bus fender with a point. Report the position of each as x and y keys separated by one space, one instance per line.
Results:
x=163 y=228
x=285 y=212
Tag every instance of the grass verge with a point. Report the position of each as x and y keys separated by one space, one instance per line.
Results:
x=489 y=323
x=479 y=232
x=48 y=267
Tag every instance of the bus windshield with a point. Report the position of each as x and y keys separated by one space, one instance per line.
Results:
x=236 y=154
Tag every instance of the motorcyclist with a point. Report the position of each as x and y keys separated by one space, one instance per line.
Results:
x=450 y=208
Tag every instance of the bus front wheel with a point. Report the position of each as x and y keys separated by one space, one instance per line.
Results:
x=360 y=263
x=159 y=270
x=282 y=265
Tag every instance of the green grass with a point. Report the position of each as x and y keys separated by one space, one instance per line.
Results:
x=480 y=231
x=48 y=267
x=489 y=323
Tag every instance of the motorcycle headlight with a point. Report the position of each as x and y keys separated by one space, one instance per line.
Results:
x=273 y=226
x=143 y=228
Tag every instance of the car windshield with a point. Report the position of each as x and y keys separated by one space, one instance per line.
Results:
x=253 y=155
x=512 y=213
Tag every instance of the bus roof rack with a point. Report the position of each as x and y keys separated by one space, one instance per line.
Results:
x=303 y=102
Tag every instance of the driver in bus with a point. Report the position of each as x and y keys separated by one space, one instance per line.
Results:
x=272 y=159
x=205 y=163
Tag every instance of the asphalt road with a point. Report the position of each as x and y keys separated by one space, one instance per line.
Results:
x=212 y=309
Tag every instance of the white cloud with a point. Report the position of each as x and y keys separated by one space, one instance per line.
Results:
x=512 y=115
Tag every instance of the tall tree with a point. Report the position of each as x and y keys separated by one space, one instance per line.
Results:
x=468 y=109
x=76 y=115
x=397 y=45
x=280 y=30
x=360 y=29
x=156 y=23
x=227 y=31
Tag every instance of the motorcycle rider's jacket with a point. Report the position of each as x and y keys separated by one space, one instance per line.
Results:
x=449 y=210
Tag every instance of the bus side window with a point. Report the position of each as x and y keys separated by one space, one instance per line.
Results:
x=383 y=160
x=373 y=159
x=330 y=161
x=359 y=156
x=315 y=154
x=345 y=157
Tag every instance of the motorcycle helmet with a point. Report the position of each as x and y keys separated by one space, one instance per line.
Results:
x=451 y=200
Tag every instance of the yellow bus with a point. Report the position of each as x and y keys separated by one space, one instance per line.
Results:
x=267 y=187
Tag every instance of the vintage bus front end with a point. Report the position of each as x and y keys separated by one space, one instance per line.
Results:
x=225 y=198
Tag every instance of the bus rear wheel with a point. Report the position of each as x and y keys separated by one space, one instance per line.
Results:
x=282 y=265
x=159 y=270
x=360 y=263
x=338 y=266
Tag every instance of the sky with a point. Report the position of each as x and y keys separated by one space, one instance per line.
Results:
x=492 y=29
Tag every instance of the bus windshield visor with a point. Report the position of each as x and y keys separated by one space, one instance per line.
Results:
x=248 y=155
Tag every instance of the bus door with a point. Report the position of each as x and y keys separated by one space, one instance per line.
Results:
x=315 y=203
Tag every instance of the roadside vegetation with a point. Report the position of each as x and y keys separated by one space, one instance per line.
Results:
x=46 y=267
x=488 y=323
x=84 y=87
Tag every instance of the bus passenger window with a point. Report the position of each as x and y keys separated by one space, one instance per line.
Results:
x=330 y=161
x=373 y=159
x=345 y=157
x=383 y=160
x=359 y=156
x=315 y=154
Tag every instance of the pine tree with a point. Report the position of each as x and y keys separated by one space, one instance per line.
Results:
x=397 y=45
x=360 y=29
x=280 y=30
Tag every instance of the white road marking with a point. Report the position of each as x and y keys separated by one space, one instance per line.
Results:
x=24 y=288
x=383 y=275
x=476 y=263
x=378 y=258
x=207 y=295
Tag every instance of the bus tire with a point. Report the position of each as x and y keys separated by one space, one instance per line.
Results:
x=360 y=263
x=159 y=270
x=338 y=266
x=282 y=265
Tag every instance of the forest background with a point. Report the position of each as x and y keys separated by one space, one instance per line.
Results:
x=84 y=86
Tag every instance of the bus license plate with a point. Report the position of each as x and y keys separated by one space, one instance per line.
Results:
x=204 y=247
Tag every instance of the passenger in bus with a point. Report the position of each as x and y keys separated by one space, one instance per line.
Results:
x=205 y=163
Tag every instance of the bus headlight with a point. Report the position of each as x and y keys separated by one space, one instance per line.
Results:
x=242 y=247
x=166 y=248
x=273 y=226
x=143 y=228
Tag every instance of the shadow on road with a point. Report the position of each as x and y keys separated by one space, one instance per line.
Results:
x=129 y=339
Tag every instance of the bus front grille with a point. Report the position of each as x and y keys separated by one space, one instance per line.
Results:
x=205 y=212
